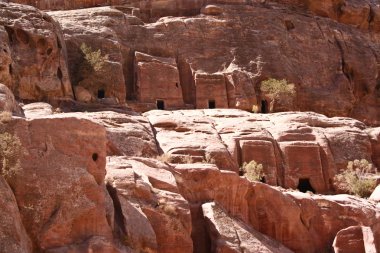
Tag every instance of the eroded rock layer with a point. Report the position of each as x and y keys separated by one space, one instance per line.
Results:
x=216 y=60
x=32 y=54
x=80 y=189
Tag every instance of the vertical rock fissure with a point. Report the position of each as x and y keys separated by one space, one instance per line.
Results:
x=344 y=66
x=119 y=217
x=200 y=235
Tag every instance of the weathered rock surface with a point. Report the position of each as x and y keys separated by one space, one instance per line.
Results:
x=59 y=189
x=33 y=54
x=293 y=147
x=13 y=236
x=355 y=239
x=229 y=235
x=146 y=205
x=8 y=102
x=153 y=217
x=37 y=110
x=333 y=65
x=376 y=194
x=128 y=134
x=302 y=222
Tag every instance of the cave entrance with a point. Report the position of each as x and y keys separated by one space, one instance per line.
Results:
x=304 y=185
x=160 y=104
x=211 y=104
x=101 y=93
x=263 y=180
x=264 y=106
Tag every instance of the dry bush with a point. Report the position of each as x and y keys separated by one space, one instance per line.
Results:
x=165 y=158
x=5 y=117
x=209 y=159
x=10 y=153
x=253 y=171
x=355 y=179
x=186 y=159
x=168 y=208
x=94 y=61
x=168 y=158
x=255 y=109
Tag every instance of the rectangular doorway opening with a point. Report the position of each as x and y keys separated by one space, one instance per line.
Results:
x=101 y=93
x=160 y=104
x=211 y=104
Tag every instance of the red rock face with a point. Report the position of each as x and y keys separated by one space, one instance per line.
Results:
x=60 y=190
x=294 y=148
x=221 y=59
x=67 y=204
x=33 y=60
x=12 y=232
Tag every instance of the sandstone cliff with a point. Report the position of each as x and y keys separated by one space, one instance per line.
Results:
x=71 y=201
x=105 y=178
x=217 y=56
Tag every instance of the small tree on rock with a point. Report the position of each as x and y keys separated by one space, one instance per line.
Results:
x=278 y=90
x=355 y=179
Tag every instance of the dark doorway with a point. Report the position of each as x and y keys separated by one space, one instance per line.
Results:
x=160 y=104
x=211 y=104
x=305 y=186
x=101 y=93
x=263 y=180
x=264 y=106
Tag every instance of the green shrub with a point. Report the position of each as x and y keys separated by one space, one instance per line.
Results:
x=278 y=89
x=253 y=171
x=93 y=60
x=354 y=180
x=10 y=153
x=275 y=88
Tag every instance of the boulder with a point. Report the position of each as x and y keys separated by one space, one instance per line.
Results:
x=375 y=196
x=82 y=94
x=37 y=110
x=355 y=239
x=212 y=10
x=8 y=102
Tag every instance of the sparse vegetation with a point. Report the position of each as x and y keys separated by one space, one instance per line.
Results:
x=93 y=60
x=168 y=208
x=10 y=152
x=355 y=179
x=165 y=158
x=5 y=117
x=186 y=159
x=278 y=90
x=255 y=108
x=253 y=171
x=209 y=159
x=168 y=158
